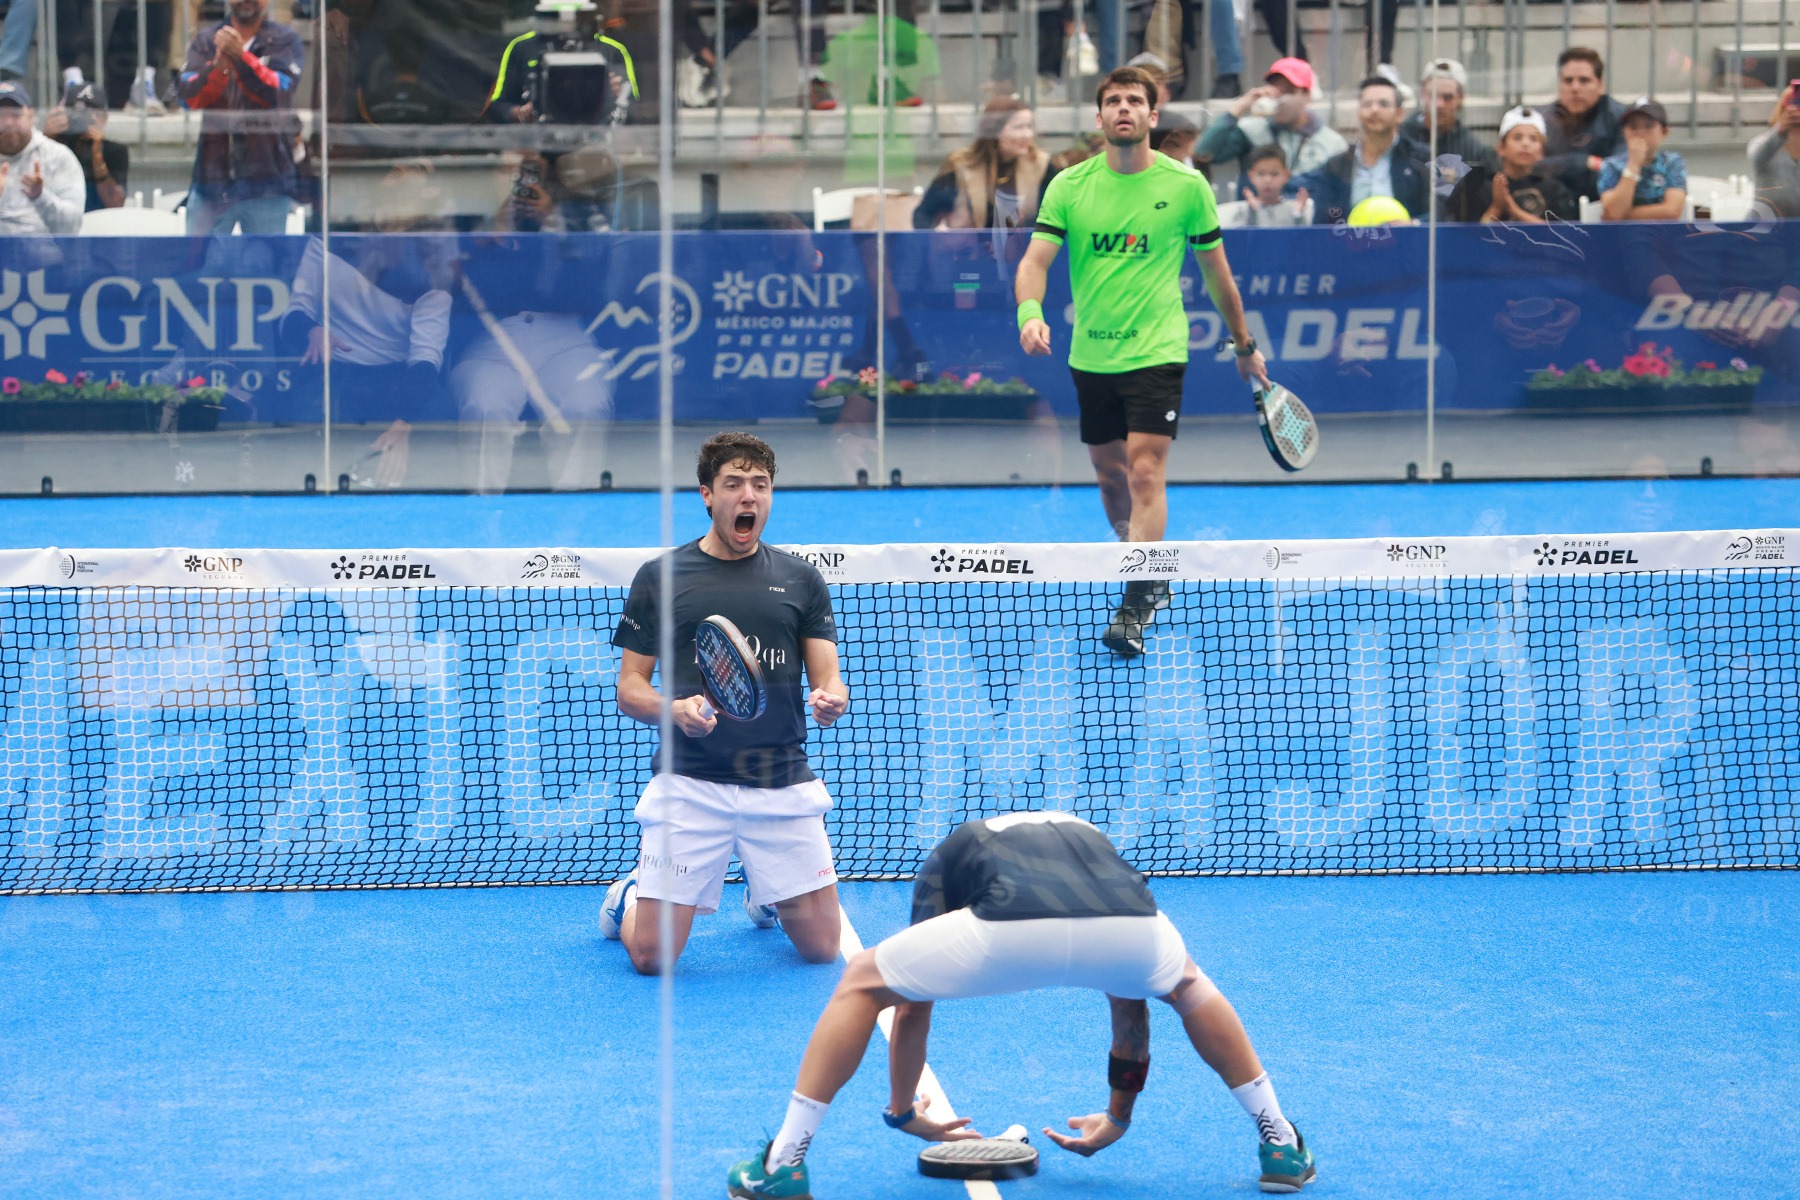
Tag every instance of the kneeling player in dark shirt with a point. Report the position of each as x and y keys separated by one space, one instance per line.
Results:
x=1012 y=904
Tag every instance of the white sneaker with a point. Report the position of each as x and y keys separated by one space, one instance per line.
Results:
x=619 y=897
x=695 y=85
x=763 y=916
x=145 y=98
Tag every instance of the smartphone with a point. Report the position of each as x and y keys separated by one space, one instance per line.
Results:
x=1793 y=92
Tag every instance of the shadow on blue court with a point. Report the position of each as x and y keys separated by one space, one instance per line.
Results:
x=1470 y=1036
x=1023 y=514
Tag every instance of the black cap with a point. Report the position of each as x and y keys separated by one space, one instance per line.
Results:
x=87 y=96
x=1644 y=106
x=13 y=92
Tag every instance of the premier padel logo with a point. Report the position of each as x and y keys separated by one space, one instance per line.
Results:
x=1140 y=561
x=1767 y=547
x=978 y=562
x=385 y=568
x=551 y=566
x=1592 y=553
x=1120 y=243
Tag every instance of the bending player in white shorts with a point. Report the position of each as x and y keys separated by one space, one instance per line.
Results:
x=740 y=787
x=1011 y=904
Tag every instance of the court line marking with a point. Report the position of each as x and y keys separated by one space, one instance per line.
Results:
x=849 y=945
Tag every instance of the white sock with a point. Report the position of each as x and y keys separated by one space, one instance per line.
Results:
x=804 y=1117
x=1258 y=1099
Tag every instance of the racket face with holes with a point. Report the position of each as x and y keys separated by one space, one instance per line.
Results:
x=1288 y=428
x=986 y=1158
x=729 y=672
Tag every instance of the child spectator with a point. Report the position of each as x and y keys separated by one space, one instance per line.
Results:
x=1645 y=182
x=1265 y=207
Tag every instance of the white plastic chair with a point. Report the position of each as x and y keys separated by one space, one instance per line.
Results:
x=133 y=222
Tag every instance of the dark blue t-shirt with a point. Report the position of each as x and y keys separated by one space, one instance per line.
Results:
x=1028 y=866
x=777 y=600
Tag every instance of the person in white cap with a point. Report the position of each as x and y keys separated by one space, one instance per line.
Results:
x=1456 y=148
x=1518 y=190
x=41 y=186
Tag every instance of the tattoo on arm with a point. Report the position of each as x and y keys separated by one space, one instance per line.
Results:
x=1131 y=1028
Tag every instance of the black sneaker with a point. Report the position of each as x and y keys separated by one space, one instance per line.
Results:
x=1144 y=598
x=1227 y=87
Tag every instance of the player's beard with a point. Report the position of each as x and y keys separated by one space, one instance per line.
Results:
x=1113 y=139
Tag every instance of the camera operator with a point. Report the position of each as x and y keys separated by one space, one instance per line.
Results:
x=567 y=72
x=80 y=124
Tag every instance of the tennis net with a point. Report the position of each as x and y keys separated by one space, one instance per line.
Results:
x=180 y=719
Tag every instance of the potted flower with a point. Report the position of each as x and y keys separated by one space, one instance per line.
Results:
x=952 y=396
x=1652 y=378
x=60 y=403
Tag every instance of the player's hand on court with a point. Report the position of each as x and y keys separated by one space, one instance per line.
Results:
x=827 y=707
x=1254 y=370
x=691 y=718
x=1035 y=337
x=1094 y=1133
x=923 y=1127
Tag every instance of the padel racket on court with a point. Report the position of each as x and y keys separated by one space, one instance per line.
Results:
x=985 y=1158
x=1288 y=428
x=729 y=673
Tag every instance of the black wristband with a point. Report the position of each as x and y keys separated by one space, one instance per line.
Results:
x=1245 y=350
x=899 y=1120
x=1126 y=1075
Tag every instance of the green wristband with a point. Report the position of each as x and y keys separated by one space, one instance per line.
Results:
x=1030 y=310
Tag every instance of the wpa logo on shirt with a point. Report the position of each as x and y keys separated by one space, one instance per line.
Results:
x=1120 y=243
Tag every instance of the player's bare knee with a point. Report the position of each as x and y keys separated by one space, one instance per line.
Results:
x=1193 y=992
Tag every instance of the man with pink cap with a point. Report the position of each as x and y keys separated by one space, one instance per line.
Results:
x=1274 y=114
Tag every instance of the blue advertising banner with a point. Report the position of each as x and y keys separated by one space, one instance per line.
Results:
x=425 y=327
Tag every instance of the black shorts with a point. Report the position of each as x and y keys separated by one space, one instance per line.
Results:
x=1147 y=400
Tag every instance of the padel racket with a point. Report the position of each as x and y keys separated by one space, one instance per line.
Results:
x=986 y=1158
x=1288 y=428
x=729 y=673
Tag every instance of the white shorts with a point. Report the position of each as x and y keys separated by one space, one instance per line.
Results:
x=959 y=954
x=691 y=828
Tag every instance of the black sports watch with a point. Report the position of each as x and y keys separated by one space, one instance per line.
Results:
x=1245 y=350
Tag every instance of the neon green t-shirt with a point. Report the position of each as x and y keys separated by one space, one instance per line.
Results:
x=1126 y=236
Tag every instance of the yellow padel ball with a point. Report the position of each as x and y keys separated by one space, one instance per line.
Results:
x=1379 y=210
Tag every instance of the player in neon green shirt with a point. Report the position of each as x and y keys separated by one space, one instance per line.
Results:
x=1128 y=218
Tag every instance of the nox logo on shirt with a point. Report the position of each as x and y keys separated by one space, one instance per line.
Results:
x=1120 y=243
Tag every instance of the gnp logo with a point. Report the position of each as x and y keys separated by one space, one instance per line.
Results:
x=1767 y=547
x=110 y=313
x=214 y=566
x=735 y=291
x=1120 y=243
x=389 y=568
x=978 y=562
x=1140 y=561
x=1593 y=554
x=1426 y=556
x=828 y=562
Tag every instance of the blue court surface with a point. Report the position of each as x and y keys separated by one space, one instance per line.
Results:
x=978 y=515
x=1476 y=1036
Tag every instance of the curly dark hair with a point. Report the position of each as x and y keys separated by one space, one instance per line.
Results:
x=723 y=449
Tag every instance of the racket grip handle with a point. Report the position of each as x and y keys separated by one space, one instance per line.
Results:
x=707 y=710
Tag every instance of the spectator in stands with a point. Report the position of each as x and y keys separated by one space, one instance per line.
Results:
x=80 y=124
x=15 y=39
x=1516 y=190
x=530 y=348
x=699 y=82
x=1644 y=182
x=75 y=47
x=1274 y=114
x=1583 y=123
x=1775 y=157
x=1456 y=148
x=1175 y=136
x=1266 y=207
x=1167 y=33
x=581 y=100
x=1381 y=163
x=240 y=74
x=40 y=180
x=996 y=181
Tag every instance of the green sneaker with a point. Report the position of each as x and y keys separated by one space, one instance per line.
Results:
x=750 y=1180
x=1284 y=1168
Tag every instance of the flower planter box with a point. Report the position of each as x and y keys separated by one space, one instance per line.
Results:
x=105 y=416
x=1646 y=399
x=938 y=407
